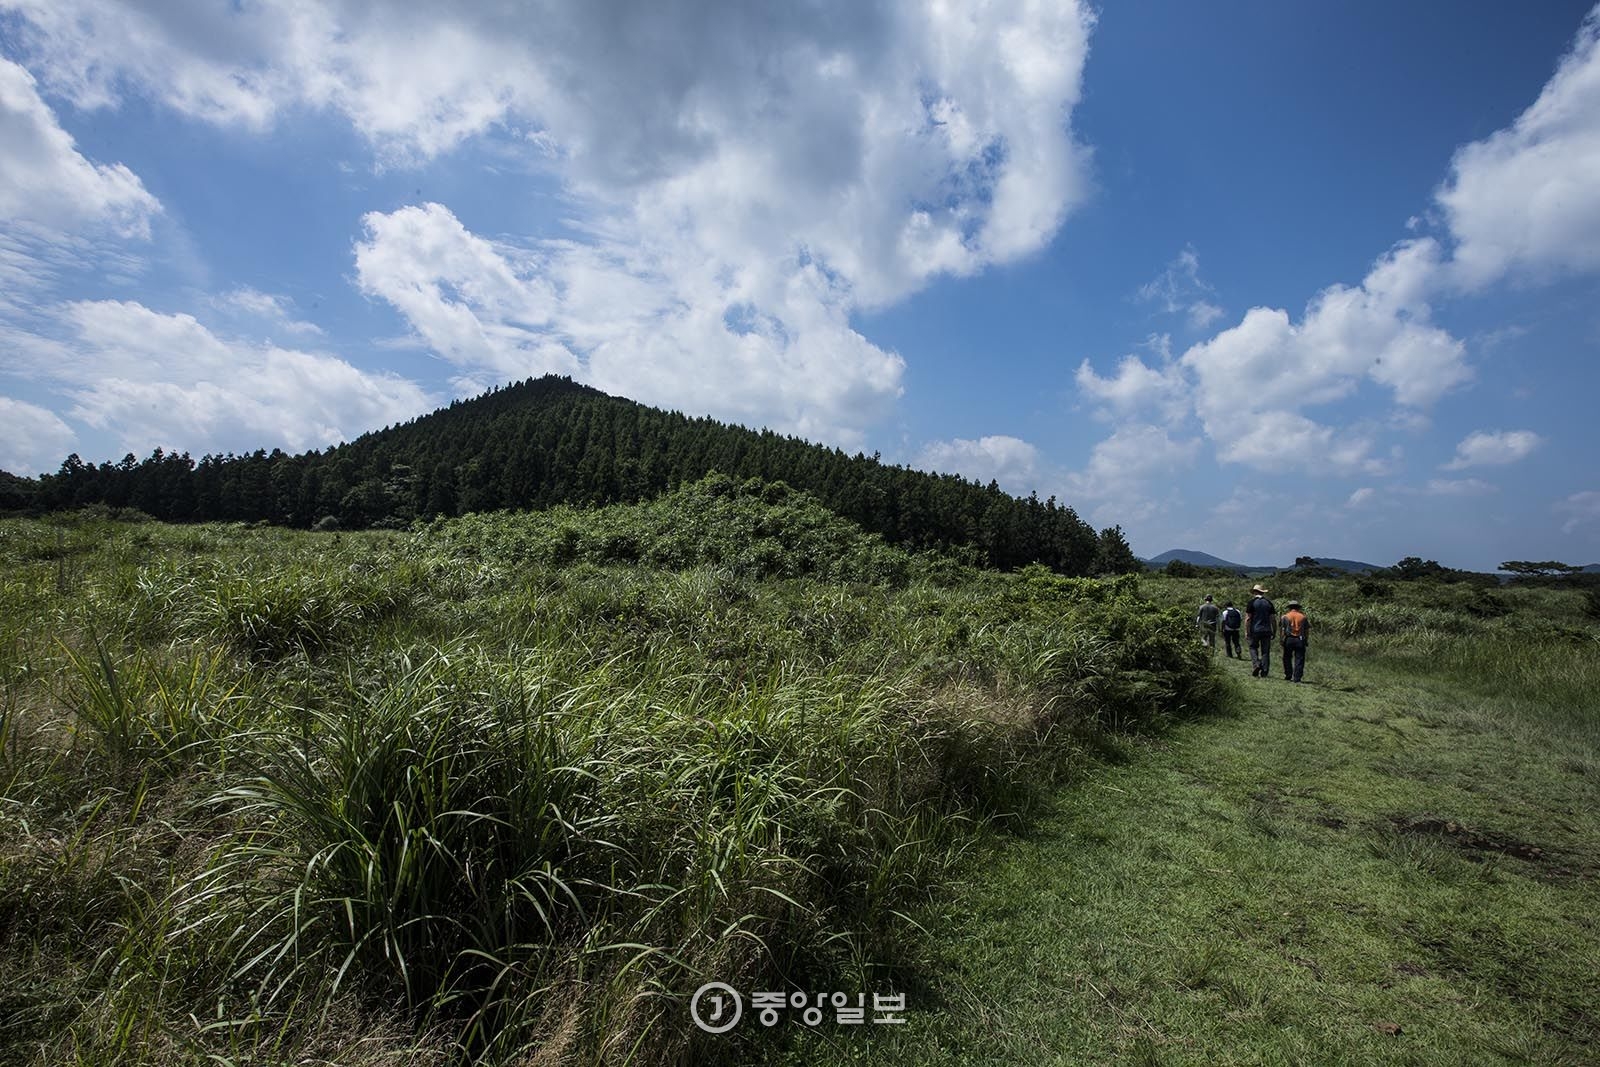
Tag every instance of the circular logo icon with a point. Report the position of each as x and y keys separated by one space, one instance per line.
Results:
x=716 y=1007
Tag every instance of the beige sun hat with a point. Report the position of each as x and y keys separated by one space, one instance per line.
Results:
x=1259 y=589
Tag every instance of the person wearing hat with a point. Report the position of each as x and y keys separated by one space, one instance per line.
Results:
x=1295 y=630
x=1207 y=621
x=1260 y=622
x=1232 y=619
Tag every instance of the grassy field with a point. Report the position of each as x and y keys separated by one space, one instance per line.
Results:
x=1394 y=863
x=508 y=789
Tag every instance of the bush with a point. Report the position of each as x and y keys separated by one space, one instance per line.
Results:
x=760 y=530
x=1373 y=589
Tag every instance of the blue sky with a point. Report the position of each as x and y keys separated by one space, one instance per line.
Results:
x=1262 y=279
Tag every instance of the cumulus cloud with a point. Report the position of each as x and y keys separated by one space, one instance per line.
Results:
x=32 y=439
x=1484 y=448
x=150 y=379
x=1253 y=379
x=1526 y=199
x=464 y=297
x=743 y=178
x=44 y=180
x=1011 y=461
x=1251 y=384
x=622 y=317
x=1137 y=387
x=1581 y=509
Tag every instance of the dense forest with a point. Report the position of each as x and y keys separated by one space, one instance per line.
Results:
x=549 y=441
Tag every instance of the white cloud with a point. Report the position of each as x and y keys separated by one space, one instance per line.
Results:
x=1250 y=384
x=1253 y=379
x=34 y=260
x=32 y=439
x=1457 y=487
x=1179 y=289
x=1201 y=314
x=274 y=309
x=745 y=178
x=1361 y=497
x=1581 y=509
x=1526 y=199
x=1285 y=440
x=150 y=379
x=1123 y=468
x=628 y=321
x=1137 y=387
x=45 y=180
x=199 y=58
x=467 y=301
x=1484 y=448
x=1011 y=461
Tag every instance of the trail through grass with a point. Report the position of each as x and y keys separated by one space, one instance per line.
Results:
x=1376 y=867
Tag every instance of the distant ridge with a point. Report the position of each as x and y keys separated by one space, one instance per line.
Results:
x=1206 y=559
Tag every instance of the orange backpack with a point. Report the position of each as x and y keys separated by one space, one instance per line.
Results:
x=1295 y=621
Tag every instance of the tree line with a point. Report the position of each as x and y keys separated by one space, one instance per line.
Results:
x=548 y=441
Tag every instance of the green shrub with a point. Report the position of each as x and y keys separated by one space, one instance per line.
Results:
x=422 y=839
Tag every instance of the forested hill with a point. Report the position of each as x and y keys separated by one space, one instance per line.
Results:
x=551 y=441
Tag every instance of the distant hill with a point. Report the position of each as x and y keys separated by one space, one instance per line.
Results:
x=550 y=440
x=1206 y=559
x=1352 y=566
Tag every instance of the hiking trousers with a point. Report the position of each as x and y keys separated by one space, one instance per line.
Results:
x=1208 y=634
x=1261 y=652
x=1231 y=644
x=1294 y=658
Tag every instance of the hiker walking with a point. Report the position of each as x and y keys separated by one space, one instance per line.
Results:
x=1232 y=619
x=1295 y=630
x=1260 y=620
x=1207 y=621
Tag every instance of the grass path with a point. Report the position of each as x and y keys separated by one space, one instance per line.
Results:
x=1366 y=869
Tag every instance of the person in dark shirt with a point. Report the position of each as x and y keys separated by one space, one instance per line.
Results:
x=1232 y=619
x=1207 y=621
x=1261 y=620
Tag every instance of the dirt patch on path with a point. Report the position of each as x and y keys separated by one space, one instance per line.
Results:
x=1468 y=839
x=1474 y=843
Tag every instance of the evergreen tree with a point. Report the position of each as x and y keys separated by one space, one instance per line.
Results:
x=1112 y=554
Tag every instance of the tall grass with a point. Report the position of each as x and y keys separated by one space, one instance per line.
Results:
x=429 y=836
x=275 y=796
